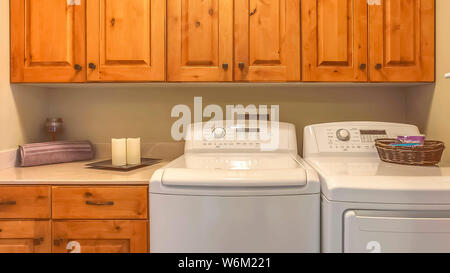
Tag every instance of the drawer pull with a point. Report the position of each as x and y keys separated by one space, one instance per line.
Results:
x=11 y=203
x=107 y=203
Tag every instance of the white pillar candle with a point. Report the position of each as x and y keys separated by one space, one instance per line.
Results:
x=119 y=151
x=133 y=151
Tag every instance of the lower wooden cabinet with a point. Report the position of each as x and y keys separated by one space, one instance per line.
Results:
x=83 y=219
x=100 y=236
x=26 y=236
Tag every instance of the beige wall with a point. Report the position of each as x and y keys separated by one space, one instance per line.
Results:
x=429 y=106
x=101 y=113
x=22 y=108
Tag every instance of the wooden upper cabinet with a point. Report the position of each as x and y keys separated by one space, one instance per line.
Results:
x=126 y=40
x=267 y=40
x=200 y=40
x=334 y=40
x=401 y=37
x=47 y=41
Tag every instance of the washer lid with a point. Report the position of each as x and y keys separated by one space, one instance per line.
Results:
x=369 y=180
x=236 y=170
x=234 y=178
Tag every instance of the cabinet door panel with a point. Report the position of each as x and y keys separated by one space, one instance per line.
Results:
x=267 y=40
x=47 y=41
x=126 y=40
x=334 y=39
x=100 y=236
x=25 y=236
x=200 y=41
x=401 y=34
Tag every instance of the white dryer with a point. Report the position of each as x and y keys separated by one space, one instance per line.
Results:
x=372 y=206
x=227 y=195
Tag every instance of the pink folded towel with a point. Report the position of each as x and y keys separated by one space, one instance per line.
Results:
x=55 y=152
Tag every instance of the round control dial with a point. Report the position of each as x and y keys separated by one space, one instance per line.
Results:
x=219 y=132
x=343 y=135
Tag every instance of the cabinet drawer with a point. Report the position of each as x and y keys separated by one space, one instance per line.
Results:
x=24 y=202
x=100 y=202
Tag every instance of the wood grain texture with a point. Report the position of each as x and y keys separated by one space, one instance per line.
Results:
x=101 y=236
x=126 y=40
x=47 y=41
x=71 y=202
x=25 y=236
x=267 y=40
x=402 y=41
x=199 y=40
x=25 y=202
x=334 y=40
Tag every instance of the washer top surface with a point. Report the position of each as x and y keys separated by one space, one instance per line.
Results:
x=234 y=160
x=358 y=175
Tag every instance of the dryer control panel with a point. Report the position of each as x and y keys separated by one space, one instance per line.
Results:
x=356 y=137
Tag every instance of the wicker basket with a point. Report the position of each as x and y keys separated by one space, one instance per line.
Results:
x=425 y=155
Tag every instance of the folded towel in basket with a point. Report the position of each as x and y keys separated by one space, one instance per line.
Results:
x=55 y=152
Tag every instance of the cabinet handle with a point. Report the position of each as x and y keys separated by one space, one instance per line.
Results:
x=57 y=242
x=38 y=241
x=106 y=203
x=362 y=66
x=92 y=66
x=241 y=65
x=225 y=66
x=378 y=66
x=11 y=203
x=78 y=67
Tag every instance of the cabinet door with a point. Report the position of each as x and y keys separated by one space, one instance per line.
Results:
x=100 y=236
x=200 y=40
x=25 y=237
x=125 y=40
x=334 y=40
x=401 y=41
x=267 y=40
x=47 y=41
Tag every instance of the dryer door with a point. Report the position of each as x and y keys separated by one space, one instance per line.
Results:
x=396 y=231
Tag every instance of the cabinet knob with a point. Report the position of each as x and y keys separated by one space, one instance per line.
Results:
x=92 y=66
x=57 y=242
x=38 y=241
x=225 y=66
x=241 y=65
x=362 y=66
x=78 y=67
x=378 y=66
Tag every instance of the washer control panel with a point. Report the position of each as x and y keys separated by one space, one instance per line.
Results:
x=231 y=137
x=353 y=136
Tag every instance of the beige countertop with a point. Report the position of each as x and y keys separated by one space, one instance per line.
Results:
x=76 y=174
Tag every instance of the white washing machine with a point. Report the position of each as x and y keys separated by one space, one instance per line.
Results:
x=372 y=206
x=226 y=195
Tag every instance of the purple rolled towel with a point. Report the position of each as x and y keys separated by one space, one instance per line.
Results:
x=55 y=152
